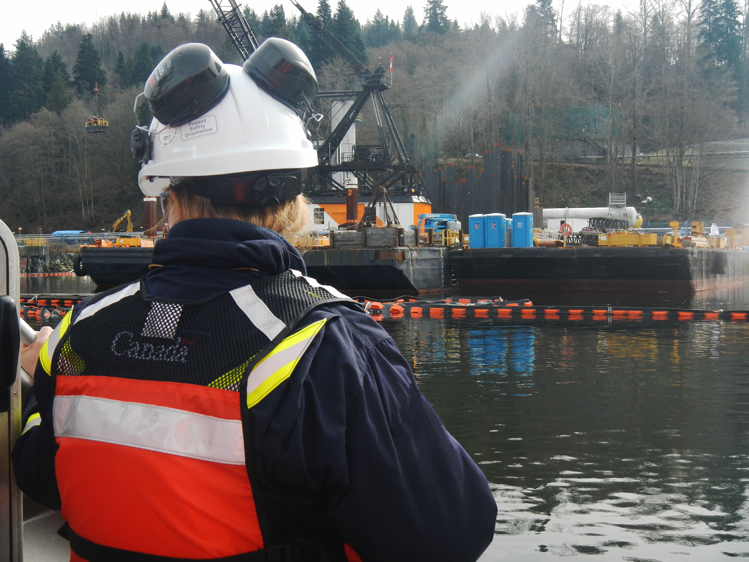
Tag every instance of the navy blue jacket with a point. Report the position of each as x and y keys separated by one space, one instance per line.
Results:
x=351 y=425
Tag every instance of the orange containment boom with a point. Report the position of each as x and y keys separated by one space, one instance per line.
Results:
x=523 y=311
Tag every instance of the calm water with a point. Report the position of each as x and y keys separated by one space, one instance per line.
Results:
x=627 y=441
x=624 y=441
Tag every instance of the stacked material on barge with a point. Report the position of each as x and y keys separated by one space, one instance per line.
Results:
x=382 y=261
x=590 y=261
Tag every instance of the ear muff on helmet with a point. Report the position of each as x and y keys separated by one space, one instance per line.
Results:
x=188 y=82
x=284 y=71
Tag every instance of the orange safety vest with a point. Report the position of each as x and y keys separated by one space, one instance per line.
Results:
x=148 y=467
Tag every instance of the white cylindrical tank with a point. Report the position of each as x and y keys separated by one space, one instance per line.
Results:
x=628 y=213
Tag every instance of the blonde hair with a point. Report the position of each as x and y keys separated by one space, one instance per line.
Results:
x=290 y=218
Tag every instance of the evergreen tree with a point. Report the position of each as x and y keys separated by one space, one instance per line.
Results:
x=547 y=17
x=229 y=53
x=59 y=95
x=729 y=46
x=347 y=28
x=142 y=65
x=274 y=23
x=165 y=14
x=381 y=31
x=435 y=17
x=87 y=71
x=253 y=22
x=27 y=89
x=410 y=25
x=121 y=69
x=302 y=36
x=54 y=67
x=56 y=83
x=719 y=33
x=542 y=18
x=157 y=53
x=5 y=84
x=319 y=53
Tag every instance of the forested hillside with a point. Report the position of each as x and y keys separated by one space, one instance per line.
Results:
x=670 y=80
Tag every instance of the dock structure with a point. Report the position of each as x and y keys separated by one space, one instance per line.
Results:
x=32 y=253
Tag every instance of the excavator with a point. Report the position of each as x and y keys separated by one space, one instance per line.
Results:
x=122 y=241
x=122 y=218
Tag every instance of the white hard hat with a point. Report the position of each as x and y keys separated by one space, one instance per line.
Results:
x=251 y=137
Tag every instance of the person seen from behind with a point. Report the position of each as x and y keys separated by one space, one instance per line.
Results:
x=226 y=406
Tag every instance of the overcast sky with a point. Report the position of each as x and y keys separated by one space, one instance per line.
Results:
x=38 y=15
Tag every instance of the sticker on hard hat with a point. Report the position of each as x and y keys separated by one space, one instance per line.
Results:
x=206 y=125
x=167 y=136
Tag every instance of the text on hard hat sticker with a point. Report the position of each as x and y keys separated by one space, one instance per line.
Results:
x=206 y=125
x=167 y=136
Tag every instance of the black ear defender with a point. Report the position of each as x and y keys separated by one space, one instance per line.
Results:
x=283 y=70
x=188 y=82
x=140 y=145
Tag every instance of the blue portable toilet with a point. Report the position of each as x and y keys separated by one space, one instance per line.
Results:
x=476 y=231
x=522 y=230
x=496 y=230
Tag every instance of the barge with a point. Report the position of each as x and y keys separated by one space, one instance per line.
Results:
x=112 y=266
x=387 y=262
x=586 y=269
x=379 y=262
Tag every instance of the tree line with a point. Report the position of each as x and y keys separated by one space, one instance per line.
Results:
x=670 y=80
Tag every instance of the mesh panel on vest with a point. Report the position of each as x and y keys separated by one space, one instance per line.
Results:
x=207 y=344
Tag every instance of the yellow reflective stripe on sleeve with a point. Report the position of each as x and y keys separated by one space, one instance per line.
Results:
x=278 y=365
x=34 y=420
x=48 y=349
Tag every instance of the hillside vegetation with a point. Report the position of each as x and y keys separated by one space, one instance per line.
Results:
x=665 y=79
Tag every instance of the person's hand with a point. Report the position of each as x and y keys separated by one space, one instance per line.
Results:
x=30 y=353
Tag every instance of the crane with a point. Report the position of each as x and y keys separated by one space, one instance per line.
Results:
x=236 y=25
x=373 y=166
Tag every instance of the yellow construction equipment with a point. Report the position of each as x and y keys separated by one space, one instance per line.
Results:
x=119 y=220
x=97 y=125
x=624 y=238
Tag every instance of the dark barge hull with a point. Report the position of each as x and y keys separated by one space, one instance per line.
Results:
x=589 y=269
x=109 y=267
x=384 y=272
x=375 y=272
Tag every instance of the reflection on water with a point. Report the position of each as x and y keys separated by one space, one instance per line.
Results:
x=72 y=284
x=626 y=440
x=726 y=298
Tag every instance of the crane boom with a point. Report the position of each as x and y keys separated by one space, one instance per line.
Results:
x=335 y=44
x=236 y=25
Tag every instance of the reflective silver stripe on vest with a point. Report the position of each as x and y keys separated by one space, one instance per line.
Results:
x=144 y=426
x=109 y=300
x=162 y=320
x=315 y=283
x=257 y=311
